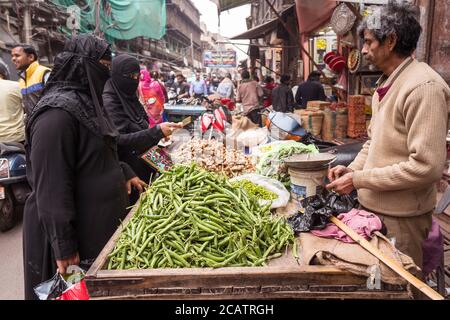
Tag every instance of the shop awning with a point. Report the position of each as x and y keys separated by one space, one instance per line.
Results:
x=261 y=30
x=224 y=5
x=313 y=14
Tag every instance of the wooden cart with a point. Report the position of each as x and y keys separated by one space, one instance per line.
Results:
x=283 y=278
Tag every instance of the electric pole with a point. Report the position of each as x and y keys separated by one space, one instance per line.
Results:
x=97 y=17
x=27 y=23
x=192 y=50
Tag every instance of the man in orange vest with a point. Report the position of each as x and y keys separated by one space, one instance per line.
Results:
x=32 y=75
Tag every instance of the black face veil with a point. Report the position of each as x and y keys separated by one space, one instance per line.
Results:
x=122 y=88
x=76 y=84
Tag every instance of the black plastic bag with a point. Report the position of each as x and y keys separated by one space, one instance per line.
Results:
x=319 y=209
x=51 y=289
x=71 y=286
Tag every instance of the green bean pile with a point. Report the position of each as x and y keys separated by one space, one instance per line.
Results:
x=193 y=218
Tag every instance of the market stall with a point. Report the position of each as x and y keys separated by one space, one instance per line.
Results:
x=247 y=217
x=282 y=278
x=197 y=234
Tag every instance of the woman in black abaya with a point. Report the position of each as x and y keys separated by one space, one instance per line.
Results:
x=129 y=116
x=78 y=185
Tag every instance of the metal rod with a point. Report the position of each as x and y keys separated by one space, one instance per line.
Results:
x=429 y=41
x=353 y=9
x=265 y=46
x=27 y=23
x=262 y=65
x=97 y=17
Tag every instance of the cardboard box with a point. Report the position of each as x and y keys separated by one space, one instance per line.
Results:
x=317 y=105
x=356 y=100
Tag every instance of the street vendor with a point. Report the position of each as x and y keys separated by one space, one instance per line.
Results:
x=396 y=171
x=130 y=118
x=79 y=187
x=250 y=94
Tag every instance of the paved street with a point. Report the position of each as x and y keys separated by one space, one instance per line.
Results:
x=11 y=269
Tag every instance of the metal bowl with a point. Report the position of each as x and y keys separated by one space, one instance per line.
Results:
x=310 y=161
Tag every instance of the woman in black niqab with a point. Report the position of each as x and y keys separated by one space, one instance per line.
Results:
x=78 y=184
x=123 y=106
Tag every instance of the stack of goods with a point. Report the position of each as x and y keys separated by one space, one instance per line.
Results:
x=329 y=125
x=213 y=156
x=335 y=62
x=311 y=120
x=317 y=105
x=191 y=218
x=271 y=163
x=356 y=116
x=341 y=121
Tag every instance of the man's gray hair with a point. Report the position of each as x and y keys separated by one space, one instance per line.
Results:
x=399 y=18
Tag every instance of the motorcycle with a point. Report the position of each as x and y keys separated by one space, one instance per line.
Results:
x=14 y=187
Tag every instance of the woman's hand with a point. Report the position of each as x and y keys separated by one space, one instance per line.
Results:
x=63 y=264
x=137 y=184
x=168 y=128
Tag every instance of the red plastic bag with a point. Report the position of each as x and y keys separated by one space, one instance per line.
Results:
x=73 y=287
x=78 y=291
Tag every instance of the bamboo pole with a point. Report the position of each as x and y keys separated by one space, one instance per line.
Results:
x=394 y=265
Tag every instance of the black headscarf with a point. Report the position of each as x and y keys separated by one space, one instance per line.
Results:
x=121 y=90
x=76 y=84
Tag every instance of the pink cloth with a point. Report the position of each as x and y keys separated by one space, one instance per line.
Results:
x=362 y=222
x=312 y=14
x=152 y=98
x=433 y=249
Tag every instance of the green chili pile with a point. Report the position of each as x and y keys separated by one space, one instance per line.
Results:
x=193 y=218
x=255 y=190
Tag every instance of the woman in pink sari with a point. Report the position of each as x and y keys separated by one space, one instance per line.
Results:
x=152 y=98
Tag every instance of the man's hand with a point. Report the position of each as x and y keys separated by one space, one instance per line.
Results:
x=342 y=185
x=136 y=183
x=168 y=128
x=337 y=172
x=63 y=264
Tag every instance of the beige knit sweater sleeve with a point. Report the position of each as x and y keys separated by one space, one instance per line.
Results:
x=426 y=124
x=360 y=160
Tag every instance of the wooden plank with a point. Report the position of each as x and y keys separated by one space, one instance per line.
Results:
x=306 y=275
x=391 y=263
x=272 y=296
x=100 y=261
x=219 y=272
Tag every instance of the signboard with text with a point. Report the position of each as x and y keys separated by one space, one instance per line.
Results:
x=219 y=59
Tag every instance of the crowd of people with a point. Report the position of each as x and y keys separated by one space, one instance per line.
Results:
x=84 y=124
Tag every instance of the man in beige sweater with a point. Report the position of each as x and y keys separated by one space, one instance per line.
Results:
x=396 y=170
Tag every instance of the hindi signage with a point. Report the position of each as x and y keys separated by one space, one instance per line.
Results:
x=219 y=59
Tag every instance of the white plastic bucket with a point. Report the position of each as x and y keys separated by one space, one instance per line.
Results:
x=306 y=183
